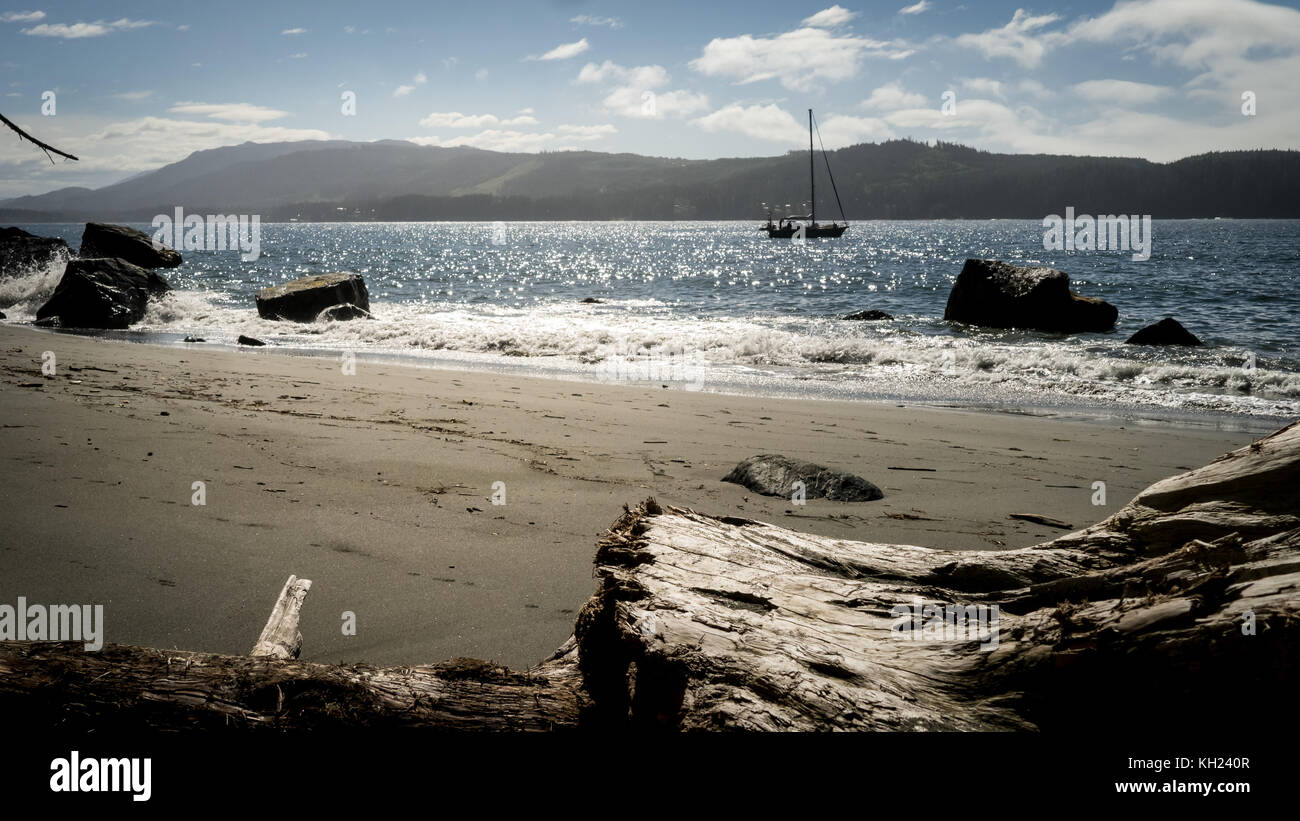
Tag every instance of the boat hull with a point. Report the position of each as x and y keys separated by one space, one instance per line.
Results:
x=814 y=232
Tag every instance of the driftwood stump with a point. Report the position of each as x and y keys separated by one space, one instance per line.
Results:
x=1182 y=610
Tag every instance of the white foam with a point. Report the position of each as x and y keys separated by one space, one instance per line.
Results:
x=887 y=357
x=23 y=294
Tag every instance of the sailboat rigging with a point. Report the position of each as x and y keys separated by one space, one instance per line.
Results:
x=797 y=226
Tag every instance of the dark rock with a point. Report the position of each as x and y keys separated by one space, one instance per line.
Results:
x=773 y=475
x=303 y=300
x=194 y=339
x=868 y=315
x=248 y=340
x=591 y=300
x=343 y=312
x=21 y=252
x=136 y=247
x=2 y=315
x=1168 y=331
x=996 y=294
x=101 y=293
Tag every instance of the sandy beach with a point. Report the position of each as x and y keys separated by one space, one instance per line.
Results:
x=379 y=487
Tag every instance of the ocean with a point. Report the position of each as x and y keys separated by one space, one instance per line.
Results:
x=718 y=306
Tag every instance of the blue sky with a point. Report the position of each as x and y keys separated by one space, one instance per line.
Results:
x=137 y=85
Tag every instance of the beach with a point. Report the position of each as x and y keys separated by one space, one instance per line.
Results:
x=379 y=486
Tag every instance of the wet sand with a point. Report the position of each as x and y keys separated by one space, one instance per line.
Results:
x=379 y=487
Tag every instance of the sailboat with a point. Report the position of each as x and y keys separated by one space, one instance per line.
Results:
x=794 y=225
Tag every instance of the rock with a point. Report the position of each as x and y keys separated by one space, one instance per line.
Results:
x=773 y=475
x=346 y=311
x=996 y=294
x=591 y=300
x=1168 y=331
x=194 y=339
x=868 y=315
x=136 y=247
x=100 y=293
x=303 y=300
x=248 y=340
x=2 y=315
x=21 y=251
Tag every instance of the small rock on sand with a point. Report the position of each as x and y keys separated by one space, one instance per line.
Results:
x=775 y=475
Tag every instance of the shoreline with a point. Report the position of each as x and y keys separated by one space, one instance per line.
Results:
x=1071 y=408
x=378 y=486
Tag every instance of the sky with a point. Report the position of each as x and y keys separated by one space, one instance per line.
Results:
x=131 y=86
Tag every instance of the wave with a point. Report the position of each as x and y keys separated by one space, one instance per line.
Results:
x=22 y=294
x=916 y=356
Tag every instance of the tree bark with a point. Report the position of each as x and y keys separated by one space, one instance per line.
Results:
x=1168 y=614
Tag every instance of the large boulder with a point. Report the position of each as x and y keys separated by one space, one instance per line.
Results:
x=773 y=475
x=997 y=294
x=303 y=300
x=136 y=247
x=21 y=252
x=100 y=293
x=1168 y=331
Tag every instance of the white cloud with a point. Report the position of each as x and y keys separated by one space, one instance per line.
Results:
x=481 y=74
x=891 y=96
x=840 y=130
x=983 y=85
x=134 y=96
x=136 y=145
x=773 y=123
x=592 y=73
x=589 y=20
x=830 y=18
x=798 y=58
x=1014 y=40
x=300 y=55
x=454 y=119
x=587 y=132
x=565 y=51
x=1120 y=92
x=77 y=31
x=22 y=16
x=762 y=122
x=640 y=92
x=503 y=140
x=1035 y=89
x=292 y=32
x=915 y=8
x=231 y=112
x=419 y=79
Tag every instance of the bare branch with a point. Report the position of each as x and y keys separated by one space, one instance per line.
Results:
x=46 y=147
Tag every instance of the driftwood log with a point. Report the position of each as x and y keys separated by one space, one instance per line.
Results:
x=1182 y=610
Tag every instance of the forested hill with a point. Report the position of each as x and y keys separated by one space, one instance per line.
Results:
x=899 y=179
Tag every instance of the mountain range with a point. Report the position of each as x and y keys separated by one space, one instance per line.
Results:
x=897 y=179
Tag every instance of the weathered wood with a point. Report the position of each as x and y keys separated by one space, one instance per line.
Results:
x=1177 y=612
x=281 y=638
x=124 y=688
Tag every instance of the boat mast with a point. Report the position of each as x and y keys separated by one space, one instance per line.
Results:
x=812 y=181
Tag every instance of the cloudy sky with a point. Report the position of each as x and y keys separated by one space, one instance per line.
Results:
x=138 y=85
